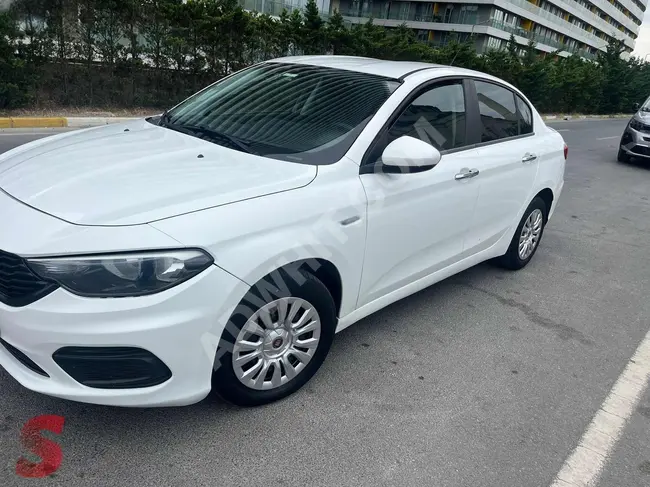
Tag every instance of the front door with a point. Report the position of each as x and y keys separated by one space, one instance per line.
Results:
x=417 y=222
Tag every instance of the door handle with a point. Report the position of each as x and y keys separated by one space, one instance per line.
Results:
x=466 y=174
x=528 y=158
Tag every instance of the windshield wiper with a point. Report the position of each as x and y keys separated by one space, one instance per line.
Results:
x=163 y=121
x=210 y=135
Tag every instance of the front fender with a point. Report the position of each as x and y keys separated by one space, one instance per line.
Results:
x=252 y=238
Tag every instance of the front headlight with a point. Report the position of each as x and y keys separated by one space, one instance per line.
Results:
x=120 y=275
x=636 y=124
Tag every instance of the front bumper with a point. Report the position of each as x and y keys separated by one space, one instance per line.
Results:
x=635 y=143
x=181 y=327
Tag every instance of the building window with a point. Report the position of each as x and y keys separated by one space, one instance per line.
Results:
x=448 y=14
x=494 y=43
x=468 y=14
x=497 y=15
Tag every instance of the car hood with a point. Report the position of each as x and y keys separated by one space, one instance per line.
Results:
x=128 y=174
x=643 y=116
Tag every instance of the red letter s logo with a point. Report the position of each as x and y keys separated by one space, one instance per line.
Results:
x=49 y=451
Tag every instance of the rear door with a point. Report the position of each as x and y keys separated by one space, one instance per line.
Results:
x=507 y=163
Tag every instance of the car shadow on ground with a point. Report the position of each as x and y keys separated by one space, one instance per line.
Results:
x=637 y=163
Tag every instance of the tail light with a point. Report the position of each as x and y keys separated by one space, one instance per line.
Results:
x=566 y=151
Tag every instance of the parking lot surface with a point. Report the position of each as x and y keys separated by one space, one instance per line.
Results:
x=488 y=379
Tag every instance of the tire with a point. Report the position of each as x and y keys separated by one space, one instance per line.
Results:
x=622 y=156
x=512 y=259
x=277 y=345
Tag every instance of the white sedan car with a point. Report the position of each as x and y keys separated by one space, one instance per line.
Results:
x=221 y=245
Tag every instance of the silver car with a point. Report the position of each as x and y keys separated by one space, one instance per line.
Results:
x=635 y=141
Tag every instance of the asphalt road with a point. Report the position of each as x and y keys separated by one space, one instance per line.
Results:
x=488 y=379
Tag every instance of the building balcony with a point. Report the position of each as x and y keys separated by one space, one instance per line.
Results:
x=399 y=17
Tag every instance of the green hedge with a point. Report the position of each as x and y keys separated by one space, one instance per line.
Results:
x=126 y=53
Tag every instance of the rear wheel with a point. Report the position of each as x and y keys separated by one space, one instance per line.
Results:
x=622 y=155
x=276 y=341
x=526 y=239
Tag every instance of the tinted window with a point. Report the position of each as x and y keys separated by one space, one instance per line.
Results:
x=525 y=117
x=436 y=117
x=498 y=112
x=646 y=106
x=294 y=112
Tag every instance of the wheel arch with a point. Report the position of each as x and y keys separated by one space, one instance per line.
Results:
x=322 y=269
x=547 y=196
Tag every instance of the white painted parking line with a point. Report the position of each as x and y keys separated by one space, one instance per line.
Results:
x=563 y=130
x=607 y=138
x=586 y=462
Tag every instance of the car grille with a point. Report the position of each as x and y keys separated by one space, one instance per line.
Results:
x=19 y=286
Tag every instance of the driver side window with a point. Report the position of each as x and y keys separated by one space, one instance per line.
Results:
x=437 y=116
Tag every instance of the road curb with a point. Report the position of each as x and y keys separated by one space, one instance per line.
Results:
x=81 y=122
x=59 y=122
x=32 y=122
x=584 y=117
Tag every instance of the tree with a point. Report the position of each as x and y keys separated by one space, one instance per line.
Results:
x=338 y=36
x=187 y=42
x=312 y=33
x=109 y=32
x=533 y=75
x=15 y=82
x=264 y=38
x=155 y=28
x=131 y=14
x=37 y=46
x=292 y=26
x=232 y=27
x=617 y=77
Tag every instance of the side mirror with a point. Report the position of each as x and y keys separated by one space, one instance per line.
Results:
x=636 y=107
x=408 y=155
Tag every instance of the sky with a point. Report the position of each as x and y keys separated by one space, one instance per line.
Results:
x=642 y=47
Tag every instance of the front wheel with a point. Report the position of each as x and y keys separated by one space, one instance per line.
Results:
x=622 y=155
x=276 y=340
x=527 y=236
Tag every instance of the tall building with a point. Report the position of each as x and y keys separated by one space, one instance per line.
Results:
x=275 y=7
x=570 y=26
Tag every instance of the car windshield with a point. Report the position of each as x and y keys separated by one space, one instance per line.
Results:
x=293 y=112
x=646 y=106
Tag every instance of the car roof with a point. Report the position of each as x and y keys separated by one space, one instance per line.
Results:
x=389 y=69
x=397 y=70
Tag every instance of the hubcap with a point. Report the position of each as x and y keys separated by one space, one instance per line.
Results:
x=530 y=233
x=276 y=343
